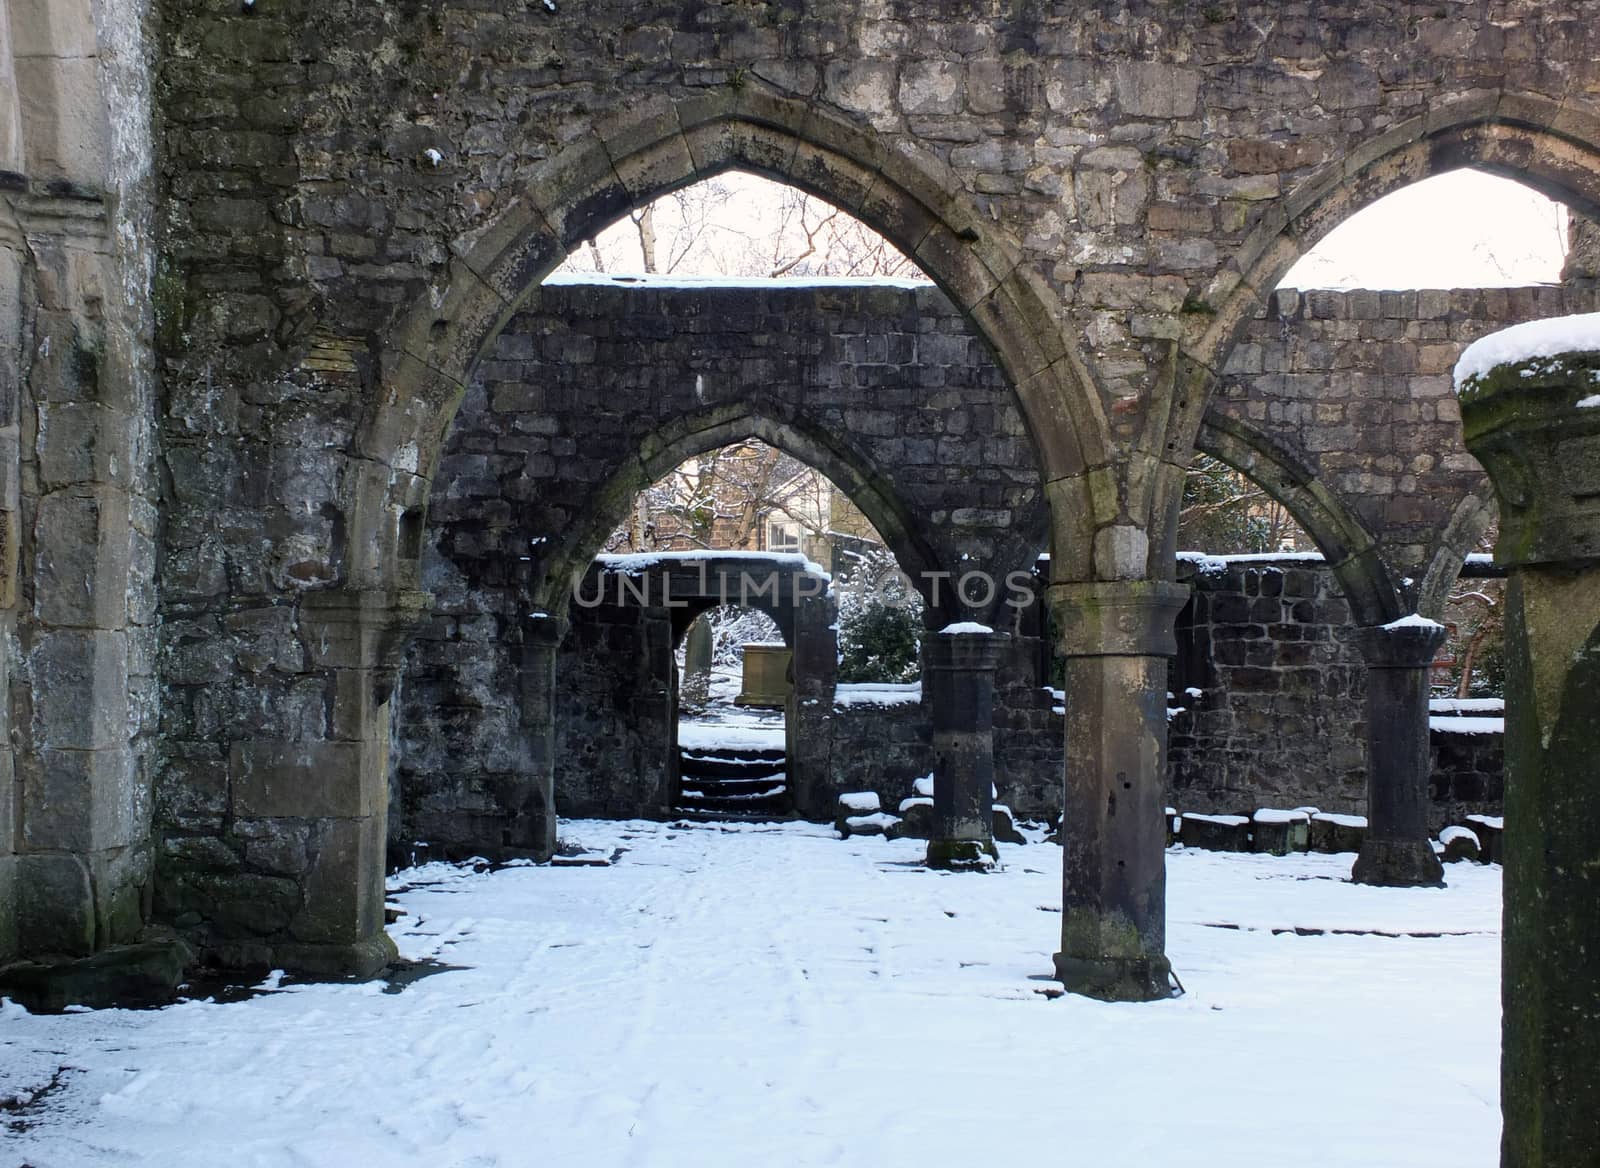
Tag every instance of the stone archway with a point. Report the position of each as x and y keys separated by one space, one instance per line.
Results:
x=910 y=199
x=688 y=437
x=1553 y=148
x=1349 y=548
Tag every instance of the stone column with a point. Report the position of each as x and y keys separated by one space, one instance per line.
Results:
x=534 y=827
x=1398 y=849
x=1542 y=449
x=958 y=669
x=696 y=666
x=342 y=782
x=1116 y=638
x=808 y=716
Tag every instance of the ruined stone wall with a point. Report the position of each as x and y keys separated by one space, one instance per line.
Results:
x=1469 y=775
x=1279 y=719
x=882 y=388
x=355 y=195
x=458 y=740
x=614 y=715
x=1357 y=386
x=882 y=748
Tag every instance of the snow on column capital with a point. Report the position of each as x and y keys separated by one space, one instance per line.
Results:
x=1530 y=410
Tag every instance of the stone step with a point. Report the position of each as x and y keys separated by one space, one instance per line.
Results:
x=729 y=788
x=700 y=815
x=731 y=768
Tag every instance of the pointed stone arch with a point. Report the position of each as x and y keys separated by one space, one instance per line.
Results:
x=905 y=194
x=1550 y=146
x=691 y=436
x=1350 y=549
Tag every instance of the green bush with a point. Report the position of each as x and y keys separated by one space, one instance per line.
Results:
x=879 y=642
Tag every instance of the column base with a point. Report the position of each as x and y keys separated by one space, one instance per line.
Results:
x=963 y=855
x=1116 y=979
x=1398 y=864
x=352 y=960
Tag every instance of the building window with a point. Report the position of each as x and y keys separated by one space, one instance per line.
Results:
x=783 y=537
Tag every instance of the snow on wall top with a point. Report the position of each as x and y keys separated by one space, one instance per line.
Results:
x=1210 y=564
x=1527 y=341
x=875 y=693
x=1466 y=705
x=1458 y=725
x=1413 y=621
x=964 y=628
x=635 y=562
x=704 y=283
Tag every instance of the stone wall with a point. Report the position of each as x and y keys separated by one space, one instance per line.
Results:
x=1469 y=774
x=1356 y=386
x=1279 y=718
x=616 y=713
x=596 y=389
x=882 y=748
x=351 y=199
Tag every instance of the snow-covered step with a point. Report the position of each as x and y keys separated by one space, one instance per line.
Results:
x=748 y=782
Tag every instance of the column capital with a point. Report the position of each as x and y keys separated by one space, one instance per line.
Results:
x=1408 y=645
x=1123 y=618
x=1533 y=426
x=542 y=630
x=361 y=628
x=969 y=652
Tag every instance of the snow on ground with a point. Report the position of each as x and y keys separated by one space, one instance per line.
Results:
x=754 y=995
x=725 y=726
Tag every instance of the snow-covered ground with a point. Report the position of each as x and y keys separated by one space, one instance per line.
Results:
x=770 y=995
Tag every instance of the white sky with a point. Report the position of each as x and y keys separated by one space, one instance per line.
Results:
x=1465 y=229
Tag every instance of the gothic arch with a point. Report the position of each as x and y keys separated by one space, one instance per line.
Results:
x=1549 y=146
x=1552 y=147
x=690 y=436
x=909 y=197
x=1349 y=548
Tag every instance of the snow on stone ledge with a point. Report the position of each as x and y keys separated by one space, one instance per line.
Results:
x=879 y=820
x=1211 y=565
x=1525 y=342
x=964 y=628
x=1268 y=815
x=1458 y=725
x=707 y=283
x=1414 y=621
x=1479 y=706
x=636 y=562
x=861 y=802
x=875 y=693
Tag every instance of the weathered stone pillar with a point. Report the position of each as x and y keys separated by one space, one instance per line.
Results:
x=696 y=666
x=1398 y=848
x=534 y=826
x=1116 y=638
x=359 y=636
x=1526 y=422
x=808 y=717
x=958 y=669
